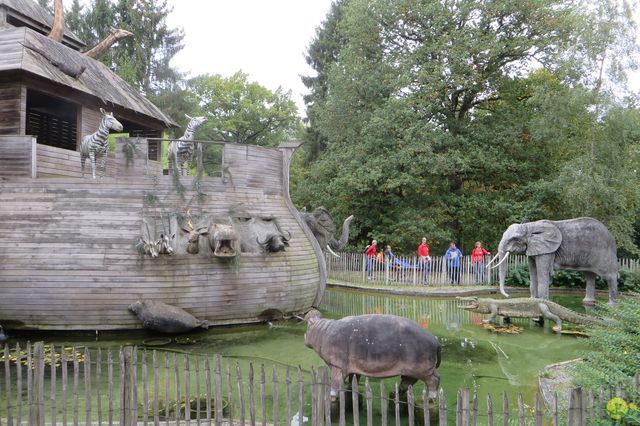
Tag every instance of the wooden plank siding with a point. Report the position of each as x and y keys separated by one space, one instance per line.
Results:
x=12 y=108
x=68 y=261
x=58 y=162
x=17 y=156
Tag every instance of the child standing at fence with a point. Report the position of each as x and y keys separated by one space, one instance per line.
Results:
x=477 y=261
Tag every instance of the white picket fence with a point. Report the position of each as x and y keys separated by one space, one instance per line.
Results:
x=408 y=270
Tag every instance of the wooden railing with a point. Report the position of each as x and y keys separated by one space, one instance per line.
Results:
x=408 y=270
x=133 y=386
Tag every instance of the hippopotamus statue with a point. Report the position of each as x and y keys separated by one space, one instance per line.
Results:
x=159 y=316
x=375 y=346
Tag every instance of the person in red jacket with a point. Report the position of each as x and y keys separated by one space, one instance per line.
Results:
x=477 y=261
x=370 y=255
x=424 y=259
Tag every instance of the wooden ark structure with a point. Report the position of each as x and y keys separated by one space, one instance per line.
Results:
x=71 y=248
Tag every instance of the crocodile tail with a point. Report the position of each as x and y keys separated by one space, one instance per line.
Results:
x=438 y=356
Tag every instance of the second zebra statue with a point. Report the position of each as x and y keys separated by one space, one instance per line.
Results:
x=96 y=143
x=181 y=151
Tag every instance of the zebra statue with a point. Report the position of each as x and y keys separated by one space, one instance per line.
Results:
x=96 y=143
x=181 y=151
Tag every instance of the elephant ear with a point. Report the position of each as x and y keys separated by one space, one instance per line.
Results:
x=544 y=238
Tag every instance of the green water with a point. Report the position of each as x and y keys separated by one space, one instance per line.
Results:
x=472 y=357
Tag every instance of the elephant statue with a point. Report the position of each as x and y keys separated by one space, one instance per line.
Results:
x=583 y=244
x=321 y=224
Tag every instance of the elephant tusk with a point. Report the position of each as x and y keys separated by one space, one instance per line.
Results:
x=503 y=259
x=492 y=259
x=331 y=251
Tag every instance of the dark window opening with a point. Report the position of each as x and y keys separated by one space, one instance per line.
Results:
x=51 y=120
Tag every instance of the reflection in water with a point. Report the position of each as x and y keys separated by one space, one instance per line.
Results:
x=422 y=310
x=471 y=356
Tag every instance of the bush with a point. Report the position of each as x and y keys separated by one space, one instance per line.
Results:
x=518 y=276
x=629 y=281
x=613 y=358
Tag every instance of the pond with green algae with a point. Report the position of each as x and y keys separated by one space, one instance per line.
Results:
x=472 y=357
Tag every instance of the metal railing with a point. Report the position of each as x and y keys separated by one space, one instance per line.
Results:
x=356 y=268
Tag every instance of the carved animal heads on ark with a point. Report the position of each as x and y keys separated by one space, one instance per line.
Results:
x=149 y=245
x=260 y=233
x=193 y=234
x=221 y=237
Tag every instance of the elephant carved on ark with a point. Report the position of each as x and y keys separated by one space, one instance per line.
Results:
x=583 y=244
x=323 y=228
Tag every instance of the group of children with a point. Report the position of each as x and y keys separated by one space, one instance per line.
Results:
x=452 y=257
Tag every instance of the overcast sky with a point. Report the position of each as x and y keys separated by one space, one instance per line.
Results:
x=266 y=39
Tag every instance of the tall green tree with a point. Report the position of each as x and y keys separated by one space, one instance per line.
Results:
x=241 y=111
x=321 y=55
x=143 y=60
x=434 y=123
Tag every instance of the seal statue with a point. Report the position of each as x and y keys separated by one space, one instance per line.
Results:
x=159 y=316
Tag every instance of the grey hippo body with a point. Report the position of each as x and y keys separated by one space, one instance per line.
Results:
x=375 y=346
x=159 y=316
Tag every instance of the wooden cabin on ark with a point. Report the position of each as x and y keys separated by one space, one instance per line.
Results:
x=37 y=97
x=72 y=252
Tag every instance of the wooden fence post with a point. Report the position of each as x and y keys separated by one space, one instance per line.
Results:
x=462 y=409
x=575 y=414
x=505 y=409
x=442 y=407
x=127 y=375
x=38 y=385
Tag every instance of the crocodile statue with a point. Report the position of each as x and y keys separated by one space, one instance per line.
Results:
x=525 y=307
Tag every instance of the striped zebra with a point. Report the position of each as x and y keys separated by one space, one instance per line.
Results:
x=96 y=143
x=181 y=151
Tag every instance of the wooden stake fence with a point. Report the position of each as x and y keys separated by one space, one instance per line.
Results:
x=409 y=270
x=192 y=395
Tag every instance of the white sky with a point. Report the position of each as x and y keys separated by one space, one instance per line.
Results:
x=266 y=39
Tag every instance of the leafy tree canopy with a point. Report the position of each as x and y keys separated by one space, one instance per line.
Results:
x=143 y=60
x=241 y=111
x=455 y=119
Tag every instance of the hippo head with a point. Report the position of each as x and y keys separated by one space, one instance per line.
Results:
x=312 y=316
x=311 y=337
x=222 y=239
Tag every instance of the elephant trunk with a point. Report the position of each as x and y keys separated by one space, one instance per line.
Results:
x=344 y=238
x=502 y=270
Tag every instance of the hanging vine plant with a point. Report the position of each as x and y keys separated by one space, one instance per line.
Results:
x=130 y=149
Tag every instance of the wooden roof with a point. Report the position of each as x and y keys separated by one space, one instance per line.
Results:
x=97 y=80
x=30 y=14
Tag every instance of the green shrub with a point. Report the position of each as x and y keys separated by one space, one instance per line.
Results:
x=518 y=276
x=629 y=281
x=613 y=358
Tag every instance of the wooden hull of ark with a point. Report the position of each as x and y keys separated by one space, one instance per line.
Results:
x=69 y=246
